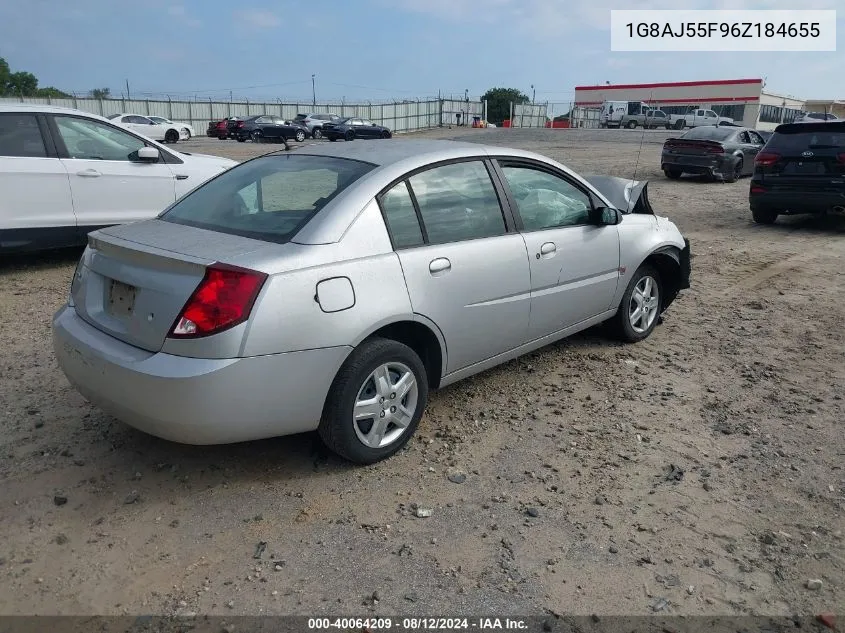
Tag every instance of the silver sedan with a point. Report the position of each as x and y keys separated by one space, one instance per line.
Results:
x=332 y=287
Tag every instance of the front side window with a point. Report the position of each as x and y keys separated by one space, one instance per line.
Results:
x=94 y=140
x=545 y=200
x=401 y=217
x=20 y=136
x=458 y=202
x=269 y=198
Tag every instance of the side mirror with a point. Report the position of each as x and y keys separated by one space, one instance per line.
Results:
x=147 y=155
x=605 y=216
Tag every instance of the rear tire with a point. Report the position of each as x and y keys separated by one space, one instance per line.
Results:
x=386 y=134
x=764 y=216
x=672 y=174
x=316 y=133
x=623 y=323
x=679 y=125
x=349 y=136
x=736 y=172
x=355 y=386
x=171 y=136
x=300 y=136
x=631 y=125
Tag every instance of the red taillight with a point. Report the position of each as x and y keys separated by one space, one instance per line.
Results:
x=757 y=189
x=766 y=159
x=716 y=150
x=223 y=299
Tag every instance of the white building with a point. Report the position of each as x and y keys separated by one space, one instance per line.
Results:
x=743 y=100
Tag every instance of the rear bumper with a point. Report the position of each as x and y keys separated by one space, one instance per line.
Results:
x=796 y=202
x=698 y=165
x=195 y=400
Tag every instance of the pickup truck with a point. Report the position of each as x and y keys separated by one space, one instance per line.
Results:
x=649 y=119
x=697 y=116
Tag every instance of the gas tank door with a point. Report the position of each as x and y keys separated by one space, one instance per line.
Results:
x=335 y=294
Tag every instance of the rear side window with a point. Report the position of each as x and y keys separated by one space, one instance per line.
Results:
x=20 y=136
x=269 y=198
x=458 y=202
x=401 y=217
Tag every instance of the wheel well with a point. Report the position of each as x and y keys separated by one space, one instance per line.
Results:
x=668 y=266
x=420 y=339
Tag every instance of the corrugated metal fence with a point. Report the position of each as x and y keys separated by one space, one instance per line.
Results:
x=404 y=116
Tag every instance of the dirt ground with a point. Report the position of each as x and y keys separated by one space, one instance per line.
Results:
x=698 y=472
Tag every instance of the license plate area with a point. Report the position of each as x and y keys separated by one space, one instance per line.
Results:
x=814 y=168
x=121 y=298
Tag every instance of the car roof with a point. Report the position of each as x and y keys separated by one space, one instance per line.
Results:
x=383 y=153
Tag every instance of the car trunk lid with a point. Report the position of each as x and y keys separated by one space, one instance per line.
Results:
x=809 y=156
x=135 y=282
x=693 y=147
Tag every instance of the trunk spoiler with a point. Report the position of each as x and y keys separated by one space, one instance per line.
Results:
x=629 y=196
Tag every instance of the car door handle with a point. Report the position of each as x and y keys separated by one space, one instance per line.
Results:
x=439 y=265
x=89 y=173
x=547 y=250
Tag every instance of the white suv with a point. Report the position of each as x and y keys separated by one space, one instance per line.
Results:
x=64 y=173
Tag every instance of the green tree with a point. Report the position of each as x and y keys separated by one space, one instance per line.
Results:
x=5 y=73
x=22 y=84
x=499 y=103
x=50 y=91
x=100 y=93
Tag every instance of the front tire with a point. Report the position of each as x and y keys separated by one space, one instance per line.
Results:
x=672 y=174
x=300 y=136
x=349 y=136
x=375 y=402
x=764 y=216
x=187 y=133
x=631 y=125
x=679 y=125
x=386 y=134
x=171 y=136
x=317 y=133
x=736 y=172
x=640 y=306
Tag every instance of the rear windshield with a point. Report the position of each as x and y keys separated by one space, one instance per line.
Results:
x=709 y=133
x=269 y=198
x=808 y=136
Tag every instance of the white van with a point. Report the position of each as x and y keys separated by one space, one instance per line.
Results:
x=64 y=173
x=612 y=113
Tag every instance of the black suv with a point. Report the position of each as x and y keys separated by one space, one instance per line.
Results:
x=801 y=169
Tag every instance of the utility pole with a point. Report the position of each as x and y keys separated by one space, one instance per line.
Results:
x=533 y=94
x=127 y=90
x=313 y=92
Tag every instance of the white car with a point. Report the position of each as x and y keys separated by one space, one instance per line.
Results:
x=64 y=173
x=152 y=127
x=186 y=130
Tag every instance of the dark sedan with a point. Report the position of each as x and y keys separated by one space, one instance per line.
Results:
x=351 y=128
x=269 y=127
x=721 y=152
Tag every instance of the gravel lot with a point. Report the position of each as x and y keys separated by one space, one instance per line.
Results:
x=698 y=472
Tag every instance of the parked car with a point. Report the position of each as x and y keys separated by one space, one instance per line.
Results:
x=268 y=127
x=697 y=116
x=766 y=134
x=352 y=127
x=167 y=133
x=800 y=170
x=333 y=287
x=186 y=130
x=649 y=119
x=64 y=173
x=723 y=152
x=224 y=129
x=314 y=122
x=815 y=117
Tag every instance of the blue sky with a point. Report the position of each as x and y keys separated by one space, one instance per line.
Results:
x=373 y=49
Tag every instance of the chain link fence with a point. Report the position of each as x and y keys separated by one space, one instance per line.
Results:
x=399 y=116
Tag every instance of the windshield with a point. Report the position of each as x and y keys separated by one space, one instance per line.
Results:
x=709 y=133
x=269 y=198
